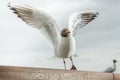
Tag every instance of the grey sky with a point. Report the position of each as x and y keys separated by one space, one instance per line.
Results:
x=97 y=43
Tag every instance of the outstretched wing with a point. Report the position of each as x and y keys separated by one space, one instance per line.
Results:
x=79 y=20
x=38 y=19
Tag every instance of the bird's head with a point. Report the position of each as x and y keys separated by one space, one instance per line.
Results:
x=114 y=61
x=65 y=32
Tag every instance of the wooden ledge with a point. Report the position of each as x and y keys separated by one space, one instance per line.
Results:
x=29 y=73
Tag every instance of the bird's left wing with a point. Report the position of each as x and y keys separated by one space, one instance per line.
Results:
x=38 y=19
x=80 y=19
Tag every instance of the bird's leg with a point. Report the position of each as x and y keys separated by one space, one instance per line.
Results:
x=73 y=66
x=113 y=76
x=64 y=63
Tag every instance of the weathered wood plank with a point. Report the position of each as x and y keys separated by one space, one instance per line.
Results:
x=117 y=77
x=27 y=73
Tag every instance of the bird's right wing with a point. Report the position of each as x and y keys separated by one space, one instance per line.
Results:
x=38 y=19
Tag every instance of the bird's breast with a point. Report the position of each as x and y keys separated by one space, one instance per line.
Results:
x=66 y=47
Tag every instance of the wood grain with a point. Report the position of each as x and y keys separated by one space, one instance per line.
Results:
x=28 y=73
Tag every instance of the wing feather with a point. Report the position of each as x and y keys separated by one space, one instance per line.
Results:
x=38 y=19
x=79 y=20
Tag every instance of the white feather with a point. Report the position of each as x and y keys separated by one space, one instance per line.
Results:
x=80 y=19
x=38 y=19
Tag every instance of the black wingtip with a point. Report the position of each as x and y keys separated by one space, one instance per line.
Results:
x=12 y=8
x=9 y=4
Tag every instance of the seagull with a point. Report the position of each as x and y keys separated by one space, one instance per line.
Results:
x=62 y=41
x=112 y=68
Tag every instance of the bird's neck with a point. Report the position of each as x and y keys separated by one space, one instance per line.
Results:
x=68 y=36
x=114 y=66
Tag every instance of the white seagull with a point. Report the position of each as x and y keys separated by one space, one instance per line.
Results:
x=63 y=41
x=112 y=68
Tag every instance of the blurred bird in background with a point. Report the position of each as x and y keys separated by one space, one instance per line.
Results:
x=112 y=68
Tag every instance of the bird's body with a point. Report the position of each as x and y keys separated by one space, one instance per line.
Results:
x=63 y=41
x=66 y=47
x=112 y=68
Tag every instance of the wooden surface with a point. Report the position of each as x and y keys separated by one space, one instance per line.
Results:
x=27 y=73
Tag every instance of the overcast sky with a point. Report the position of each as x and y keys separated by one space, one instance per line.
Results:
x=97 y=44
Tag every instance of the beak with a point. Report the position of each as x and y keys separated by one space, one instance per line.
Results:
x=69 y=32
x=118 y=61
